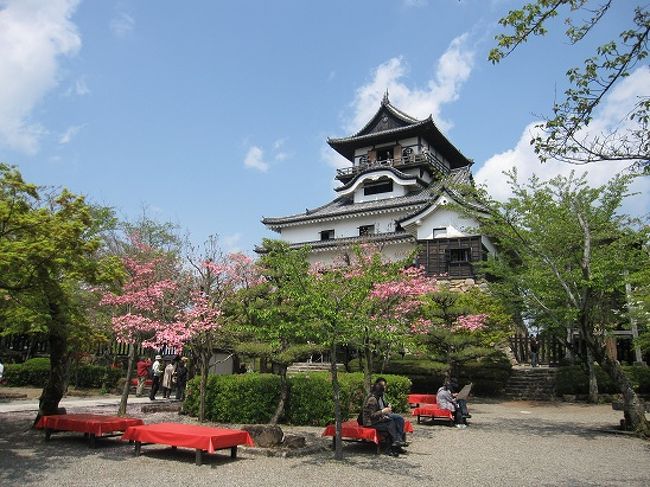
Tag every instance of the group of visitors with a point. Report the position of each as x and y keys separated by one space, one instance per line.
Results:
x=168 y=374
x=379 y=415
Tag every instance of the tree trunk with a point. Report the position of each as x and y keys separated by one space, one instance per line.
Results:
x=55 y=386
x=367 y=367
x=284 y=393
x=336 y=396
x=633 y=407
x=593 y=381
x=205 y=364
x=127 y=385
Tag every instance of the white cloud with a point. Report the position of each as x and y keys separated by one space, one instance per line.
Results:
x=80 y=87
x=33 y=36
x=231 y=242
x=415 y=3
x=333 y=158
x=452 y=70
x=610 y=115
x=255 y=159
x=122 y=25
x=70 y=133
x=279 y=143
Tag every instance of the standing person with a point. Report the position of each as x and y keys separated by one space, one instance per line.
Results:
x=142 y=371
x=156 y=374
x=2 y=370
x=378 y=418
x=181 y=379
x=534 y=350
x=446 y=400
x=167 y=383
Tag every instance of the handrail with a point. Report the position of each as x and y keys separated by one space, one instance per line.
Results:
x=424 y=157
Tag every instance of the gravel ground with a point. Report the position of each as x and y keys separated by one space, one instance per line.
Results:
x=508 y=443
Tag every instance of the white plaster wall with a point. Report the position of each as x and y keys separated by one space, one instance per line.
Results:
x=391 y=253
x=398 y=190
x=457 y=225
x=348 y=227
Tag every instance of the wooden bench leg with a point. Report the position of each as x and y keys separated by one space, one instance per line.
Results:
x=233 y=452
x=198 y=457
x=333 y=442
x=174 y=447
x=138 y=448
x=92 y=439
x=419 y=418
x=48 y=434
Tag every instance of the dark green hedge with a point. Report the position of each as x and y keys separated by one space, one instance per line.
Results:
x=574 y=380
x=252 y=398
x=488 y=375
x=35 y=372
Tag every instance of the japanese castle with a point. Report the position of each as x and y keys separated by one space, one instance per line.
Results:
x=400 y=193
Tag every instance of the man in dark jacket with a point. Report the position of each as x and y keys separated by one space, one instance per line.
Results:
x=181 y=379
x=379 y=418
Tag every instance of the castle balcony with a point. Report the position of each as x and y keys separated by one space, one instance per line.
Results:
x=411 y=160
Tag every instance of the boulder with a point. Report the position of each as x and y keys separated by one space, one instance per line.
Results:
x=294 y=441
x=264 y=435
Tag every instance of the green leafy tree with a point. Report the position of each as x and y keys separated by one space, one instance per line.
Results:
x=566 y=134
x=50 y=244
x=564 y=247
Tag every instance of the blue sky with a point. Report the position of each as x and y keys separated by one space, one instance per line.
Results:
x=213 y=114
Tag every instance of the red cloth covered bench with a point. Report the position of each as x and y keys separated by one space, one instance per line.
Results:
x=200 y=438
x=92 y=425
x=434 y=412
x=418 y=399
x=352 y=431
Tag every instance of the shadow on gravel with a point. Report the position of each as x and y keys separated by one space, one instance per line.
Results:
x=25 y=455
x=186 y=456
x=363 y=457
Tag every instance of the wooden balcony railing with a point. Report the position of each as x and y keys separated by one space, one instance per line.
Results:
x=412 y=159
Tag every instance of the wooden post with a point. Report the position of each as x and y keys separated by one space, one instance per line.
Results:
x=138 y=448
x=198 y=457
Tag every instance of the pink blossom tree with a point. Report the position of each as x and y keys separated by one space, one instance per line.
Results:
x=144 y=304
x=200 y=326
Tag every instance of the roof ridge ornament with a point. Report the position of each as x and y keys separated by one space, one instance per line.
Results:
x=385 y=100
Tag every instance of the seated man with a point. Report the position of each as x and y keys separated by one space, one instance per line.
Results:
x=380 y=384
x=446 y=399
x=378 y=418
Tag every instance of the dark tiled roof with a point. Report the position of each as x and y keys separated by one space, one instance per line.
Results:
x=392 y=237
x=344 y=207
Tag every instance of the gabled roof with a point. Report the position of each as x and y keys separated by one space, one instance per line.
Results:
x=390 y=123
x=344 y=207
x=399 y=174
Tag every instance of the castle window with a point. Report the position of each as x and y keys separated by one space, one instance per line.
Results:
x=327 y=235
x=382 y=186
x=459 y=255
x=365 y=230
x=384 y=153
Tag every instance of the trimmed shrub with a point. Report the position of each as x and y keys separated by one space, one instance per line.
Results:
x=488 y=374
x=252 y=398
x=573 y=380
x=33 y=372
x=96 y=377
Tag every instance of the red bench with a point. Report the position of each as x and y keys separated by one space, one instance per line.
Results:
x=91 y=425
x=434 y=412
x=417 y=399
x=200 y=438
x=353 y=432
